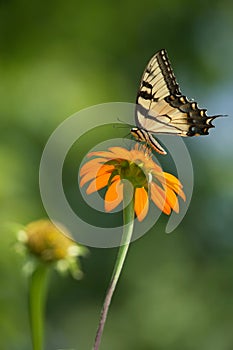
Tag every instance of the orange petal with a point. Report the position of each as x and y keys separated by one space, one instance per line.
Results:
x=172 y=200
x=95 y=173
x=113 y=196
x=116 y=177
x=158 y=173
x=87 y=177
x=120 y=152
x=106 y=168
x=141 y=156
x=175 y=185
x=91 y=164
x=159 y=176
x=141 y=203
x=171 y=179
x=159 y=198
x=156 y=168
x=179 y=192
x=105 y=154
x=98 y=183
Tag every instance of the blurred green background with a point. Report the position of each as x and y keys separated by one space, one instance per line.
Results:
x=57 y=57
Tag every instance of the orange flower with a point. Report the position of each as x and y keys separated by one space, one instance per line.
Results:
x=149 y=181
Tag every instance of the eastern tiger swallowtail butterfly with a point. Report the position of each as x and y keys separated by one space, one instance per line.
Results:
x=162 y=109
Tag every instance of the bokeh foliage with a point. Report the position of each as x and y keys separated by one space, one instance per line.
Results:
x=58 y=57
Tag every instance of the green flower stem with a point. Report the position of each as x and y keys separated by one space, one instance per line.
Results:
x=128 y=218
x=37 y=296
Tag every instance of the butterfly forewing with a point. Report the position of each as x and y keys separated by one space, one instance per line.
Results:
x=158 y=79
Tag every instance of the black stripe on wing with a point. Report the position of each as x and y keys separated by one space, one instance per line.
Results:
x=167 y=71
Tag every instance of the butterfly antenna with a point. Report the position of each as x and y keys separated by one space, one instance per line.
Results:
x=122 y=121
x=121 y=127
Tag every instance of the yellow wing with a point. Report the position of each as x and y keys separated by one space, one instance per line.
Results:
x=161 y=107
